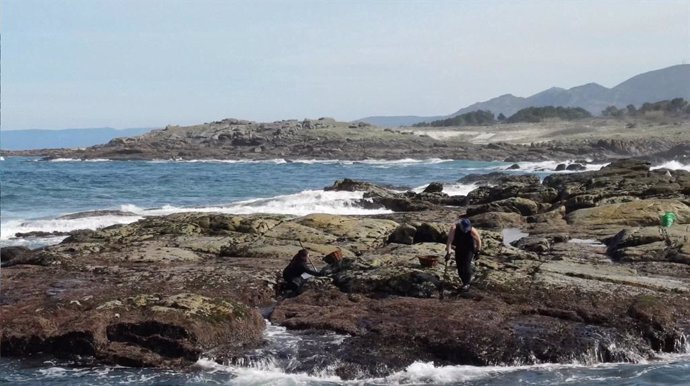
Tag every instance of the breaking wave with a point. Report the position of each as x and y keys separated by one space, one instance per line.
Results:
x=299 y=204
x=550 y=166
x=672 y=165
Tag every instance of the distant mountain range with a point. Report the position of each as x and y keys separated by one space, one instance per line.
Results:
x=64 y=138
x=667 y=83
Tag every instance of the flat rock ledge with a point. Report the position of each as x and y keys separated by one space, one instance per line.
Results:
x=595 y=280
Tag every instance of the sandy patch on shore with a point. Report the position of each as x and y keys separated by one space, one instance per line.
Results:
x=438 y=134
x=482 y=137
x=526 y=133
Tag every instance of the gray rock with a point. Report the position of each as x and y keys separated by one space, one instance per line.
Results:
x=434 y=187
x=403 y=234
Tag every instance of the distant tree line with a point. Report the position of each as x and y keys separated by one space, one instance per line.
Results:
x=530 y=114
x=673 y=106
x=538 y=114
x=473 y=118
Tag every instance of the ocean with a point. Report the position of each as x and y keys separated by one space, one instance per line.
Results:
x=65 y=194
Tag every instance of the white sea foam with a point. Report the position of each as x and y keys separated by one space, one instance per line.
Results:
x=418 y=373
x=403 y=161
x=268 y=374
x=55 y=372
x=33 y=243
x=65 y=160
x=550 y=166
x=454 y=189
x=9 y=228
x=672 y=165
x=458 y=189
x=317 y=161
x=299 y=204
x=306 y=202
x=428 y=373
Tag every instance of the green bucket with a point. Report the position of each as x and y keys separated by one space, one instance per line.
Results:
x=667 y=219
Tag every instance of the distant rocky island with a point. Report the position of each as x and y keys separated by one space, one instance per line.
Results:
x=647 y=116
x=656 y=138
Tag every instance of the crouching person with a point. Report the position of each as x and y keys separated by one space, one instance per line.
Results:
x=292 y=274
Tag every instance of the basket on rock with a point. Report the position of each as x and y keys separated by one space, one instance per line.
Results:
x=428 y=261
x=334 y=257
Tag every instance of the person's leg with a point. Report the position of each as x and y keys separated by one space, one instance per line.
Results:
x=298 y=282
x=458 y=263
x=463 y=259
x=293 y=287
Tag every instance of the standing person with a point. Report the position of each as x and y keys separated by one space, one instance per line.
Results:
x=292 y=274
x=467 y=243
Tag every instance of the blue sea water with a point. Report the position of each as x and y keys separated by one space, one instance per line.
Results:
x=35 y=195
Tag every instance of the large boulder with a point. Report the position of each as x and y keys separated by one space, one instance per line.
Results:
x=142 y=330
x=434 y=187
x=431 y=232
x=350 y=185
x=499 y=178
x=533 y=191
x=367 y=231
x=620 y=178
x=554 y=217
x=497 y=220
x=402 y=203
x=403 y=234
x=379 y=197
x=522 y=206
x=16 y=252
x=533 y=244
x=635 y=213
x=650 y=244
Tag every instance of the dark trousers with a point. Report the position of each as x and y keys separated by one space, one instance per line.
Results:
x=295 y=284
x=463 y=260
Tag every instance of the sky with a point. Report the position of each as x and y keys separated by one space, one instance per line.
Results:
x=150 y=63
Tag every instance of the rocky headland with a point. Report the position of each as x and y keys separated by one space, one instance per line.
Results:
x=597 y=139
x=589 y=278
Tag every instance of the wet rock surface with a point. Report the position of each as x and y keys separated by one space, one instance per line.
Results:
x=595 y=279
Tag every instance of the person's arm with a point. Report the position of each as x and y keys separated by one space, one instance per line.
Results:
x=451 y=236
x=477 y=239
x=309 y=270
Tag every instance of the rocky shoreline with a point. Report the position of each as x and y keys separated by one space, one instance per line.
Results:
x=597 y=139
x=594 y=279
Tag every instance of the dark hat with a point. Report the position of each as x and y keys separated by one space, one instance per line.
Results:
x=465 y=225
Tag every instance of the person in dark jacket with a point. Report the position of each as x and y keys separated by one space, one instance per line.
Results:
x=292 y=274
x=467 y=242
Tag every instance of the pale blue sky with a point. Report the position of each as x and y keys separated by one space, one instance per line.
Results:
x=148 y=63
